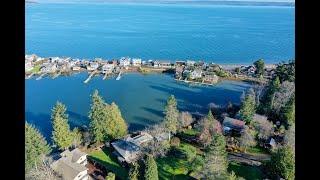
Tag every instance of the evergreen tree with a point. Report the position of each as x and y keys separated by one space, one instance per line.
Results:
x=282 y=163
x=35 y=147
x=247 y=109
x=134 y=172
x=151 y=169
x=288 y=112
x=76 y=137
x=116 y=126
x=259 y=64
x=216 y=163
x=98 y=117
x=171 y=115
x=210 y=116
x=61 y=134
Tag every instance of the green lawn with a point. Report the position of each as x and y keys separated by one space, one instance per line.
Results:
x=257 y=150
x=110 y=162
x=35 y=69
x=173 y=167
x=247 y=172
x=190 y=132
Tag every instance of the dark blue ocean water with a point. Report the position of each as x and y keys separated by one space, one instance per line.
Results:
x=223 y=34
x=141 y=98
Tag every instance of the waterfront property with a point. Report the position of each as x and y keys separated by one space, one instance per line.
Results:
x=233 y=125
x=72 y=165
x=128 y=150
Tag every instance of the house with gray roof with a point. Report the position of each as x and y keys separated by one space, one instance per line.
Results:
x=129 y=149
x=71 y=165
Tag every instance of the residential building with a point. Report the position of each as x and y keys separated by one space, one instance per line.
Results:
x=180 y=63
x=136 y=62
x=28 y=66
x=49 y=67
x=197 y=73
x=76 y=68
x=128 y=150
x=233 y=125
x=124 y=61
x=191 y=63
x=212 y=78
x=165 y=64
x=155 y=64
x=72 y=165
x=107 y=68
x=92 y=66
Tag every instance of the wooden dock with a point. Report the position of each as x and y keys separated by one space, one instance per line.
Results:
x=90 y=76
x=41 y=76
x=119 y=76
x=56 y=75
x=29 y=76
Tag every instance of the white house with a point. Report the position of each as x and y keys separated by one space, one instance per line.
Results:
x=92 y=66
x=71 y=165
x=49 y=67
x=124 y=62
x=190 y=63
x=197 y=73
x=28 y=66
x=136 y=62
x=107 y=68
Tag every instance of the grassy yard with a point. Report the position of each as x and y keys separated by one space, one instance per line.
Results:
x=190 y=132
x=110 y=162
x=35 y=69
x=174 y=167
x=257 y=150
x=247 y=172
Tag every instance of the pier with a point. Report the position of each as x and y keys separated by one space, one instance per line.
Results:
x=119 y=76
x=105 y=76
x=90 y=76
x=29 y=76
x=56 y=75
x=41 y=76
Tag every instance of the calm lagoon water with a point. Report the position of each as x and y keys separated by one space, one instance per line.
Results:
x=141 y=98
x=224 y=34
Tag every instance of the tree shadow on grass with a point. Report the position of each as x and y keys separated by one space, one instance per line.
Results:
x=110 y=163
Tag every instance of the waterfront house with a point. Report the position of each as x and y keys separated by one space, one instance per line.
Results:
x=76 y=68
x=28 y=66
x=165 y=64
x=124 y=61
x=197 y=73
x=92 y=66
x=107 y=68
x=128 y=150
x=179 y=71
x=212 y=78
x=31 y=57
x=49 y=68
x=162 y=137
x=180 y=63
x=71 y=165
x=233 y=125
x=136 y=62
x=191 y=63
x=155 y=64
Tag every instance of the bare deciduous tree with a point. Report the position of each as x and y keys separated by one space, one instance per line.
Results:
x=286 y=91
x=185 y=119
x=263 y=127
x=247 y=139
x=42 y=172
